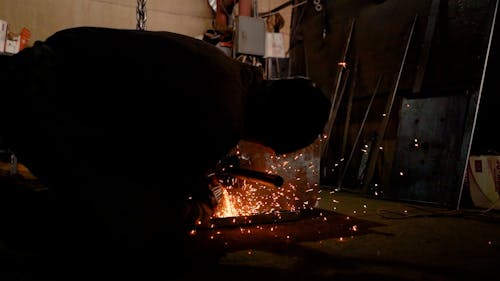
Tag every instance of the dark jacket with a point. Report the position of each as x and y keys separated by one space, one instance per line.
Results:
x=123 y=125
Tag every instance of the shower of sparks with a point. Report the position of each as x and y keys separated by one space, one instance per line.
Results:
x=245 y=197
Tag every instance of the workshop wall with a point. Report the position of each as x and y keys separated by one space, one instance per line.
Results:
x=423 y=147
x=189 y=17
x=44 y=17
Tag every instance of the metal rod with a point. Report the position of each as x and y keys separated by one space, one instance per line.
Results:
x=349 y=110
x=334 y=114
x=340 y=69
x=387 y=113
x=490 y=39
x=355 y=144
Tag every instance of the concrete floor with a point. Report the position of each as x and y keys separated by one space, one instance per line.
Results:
x=371 y=239
x=347 y=237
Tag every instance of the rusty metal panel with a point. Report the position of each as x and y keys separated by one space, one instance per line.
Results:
x=430 y=136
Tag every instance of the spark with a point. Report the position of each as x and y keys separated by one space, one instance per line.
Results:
x=244 y=197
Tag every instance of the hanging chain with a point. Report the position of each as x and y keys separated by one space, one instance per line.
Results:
x=141 y=15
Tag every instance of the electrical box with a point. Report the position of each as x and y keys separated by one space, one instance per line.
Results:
x=250 y=36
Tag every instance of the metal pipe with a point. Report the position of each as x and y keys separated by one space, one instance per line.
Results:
x=490 y=39
x=387 y=113
x=340 y=69
x=355 y=144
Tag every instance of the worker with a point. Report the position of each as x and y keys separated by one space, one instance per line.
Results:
x=123 y=127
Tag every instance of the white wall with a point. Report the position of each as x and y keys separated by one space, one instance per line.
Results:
x=189 y=17
x=44 y=17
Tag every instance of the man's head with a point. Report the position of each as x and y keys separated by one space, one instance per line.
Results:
x=286 y=114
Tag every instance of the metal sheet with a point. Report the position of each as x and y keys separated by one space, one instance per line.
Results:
x=428 y=150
